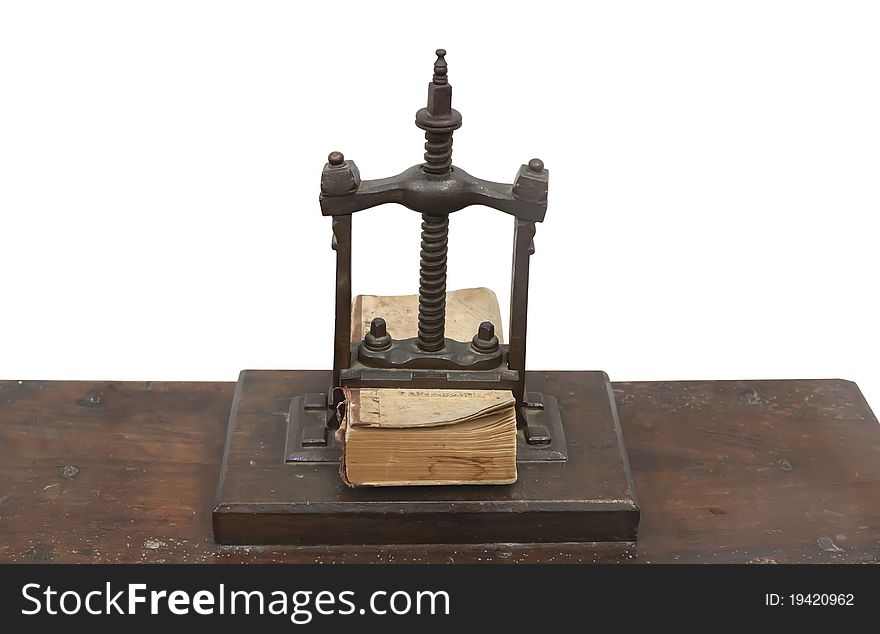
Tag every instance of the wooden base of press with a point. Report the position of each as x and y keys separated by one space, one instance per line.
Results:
x=265 y=499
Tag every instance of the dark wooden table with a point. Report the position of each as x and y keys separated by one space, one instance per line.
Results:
x=726 y=471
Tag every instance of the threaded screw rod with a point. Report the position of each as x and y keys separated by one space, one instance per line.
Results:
x=439 y=120
x=432 y=283
x=438 y=152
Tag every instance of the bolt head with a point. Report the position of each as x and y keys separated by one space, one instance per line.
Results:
x=336 y=158
x=486 y=331
x=378 y=328
x=485 y=340
x=536 y=165
x=378 y=338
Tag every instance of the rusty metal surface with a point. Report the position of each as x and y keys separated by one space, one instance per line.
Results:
x=435 y=189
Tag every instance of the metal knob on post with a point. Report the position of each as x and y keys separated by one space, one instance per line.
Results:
x=485 y=340
x=378 y=338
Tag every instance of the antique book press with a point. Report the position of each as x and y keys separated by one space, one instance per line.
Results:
x=279 y=481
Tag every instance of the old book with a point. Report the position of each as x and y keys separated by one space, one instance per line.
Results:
x=400 y=437
x=465 y=309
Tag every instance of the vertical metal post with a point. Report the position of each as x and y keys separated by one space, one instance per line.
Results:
x=342 y=334
x=523 y=247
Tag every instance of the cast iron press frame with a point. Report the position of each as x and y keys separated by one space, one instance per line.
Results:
x=435 y=189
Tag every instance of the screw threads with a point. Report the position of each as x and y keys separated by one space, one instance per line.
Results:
x=432 y=283
x=438 y=152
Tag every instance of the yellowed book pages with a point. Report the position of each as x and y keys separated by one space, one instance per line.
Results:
x=386 y=407
x=465 y=310
x=395 y=437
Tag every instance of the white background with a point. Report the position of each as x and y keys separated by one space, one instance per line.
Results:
x=713 y=203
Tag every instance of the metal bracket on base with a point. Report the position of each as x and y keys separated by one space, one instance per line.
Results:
x=542 y=437
x=309 y=436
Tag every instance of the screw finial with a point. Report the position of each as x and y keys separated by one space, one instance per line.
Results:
x=440 y=67
x=536 y=165
x=335 y=158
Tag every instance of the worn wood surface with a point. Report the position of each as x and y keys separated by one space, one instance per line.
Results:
x=726 y=471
